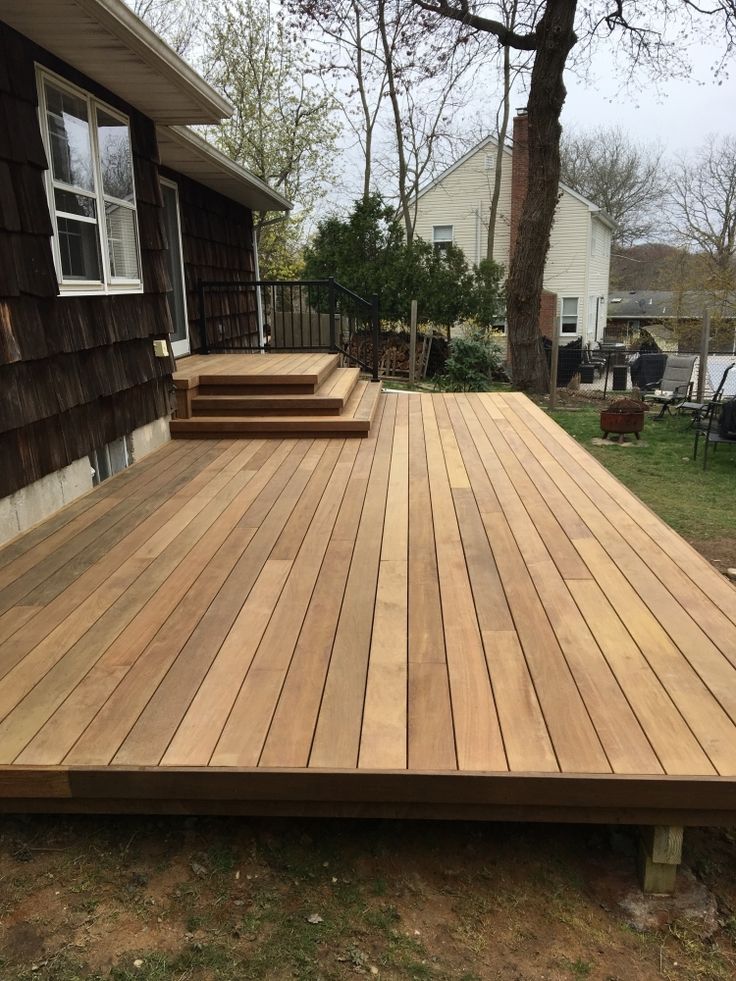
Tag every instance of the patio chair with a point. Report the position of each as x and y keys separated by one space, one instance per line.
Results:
x=675 y=385
x=717 y=424
x=698 y=408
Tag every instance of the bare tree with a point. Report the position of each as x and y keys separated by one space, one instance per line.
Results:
x=352 y=51
x=626 y=179
x=406 y=86
x=703 y=197
x=178 y=22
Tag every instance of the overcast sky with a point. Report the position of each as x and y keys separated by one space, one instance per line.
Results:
x=679 y=115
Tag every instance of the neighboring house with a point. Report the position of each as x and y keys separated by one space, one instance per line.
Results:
x=455 y=208
x=110 y=211
x=632 y=310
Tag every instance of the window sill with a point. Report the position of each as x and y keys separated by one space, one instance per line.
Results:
x=65 y=290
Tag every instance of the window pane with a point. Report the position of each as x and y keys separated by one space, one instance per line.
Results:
x=121 y=241
x=75 y=204
x=79 y=249
x=443 y=233
x=69 y=139
x=115 y=160
x=570 y=306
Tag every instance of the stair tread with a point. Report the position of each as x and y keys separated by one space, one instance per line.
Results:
x=332 y=394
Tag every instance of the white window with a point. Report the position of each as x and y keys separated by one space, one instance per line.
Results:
x=441 y=237
x=569 y=319
x=90 y=189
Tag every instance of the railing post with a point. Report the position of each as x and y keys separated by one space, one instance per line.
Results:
x=375 y=333
x=202 y=317
x=332 y=301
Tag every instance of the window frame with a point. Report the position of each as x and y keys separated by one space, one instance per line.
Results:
x=441 y=244
x=107 y=284
x=576 y=329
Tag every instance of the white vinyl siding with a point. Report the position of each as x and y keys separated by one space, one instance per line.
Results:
x=90 y=188
x=462 y=199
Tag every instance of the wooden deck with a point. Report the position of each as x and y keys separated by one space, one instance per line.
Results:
x=461 y=615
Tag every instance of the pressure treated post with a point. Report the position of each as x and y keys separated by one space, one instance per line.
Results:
x=553 y=363
x=660 y=852
x=703 y=363
x=412 y=343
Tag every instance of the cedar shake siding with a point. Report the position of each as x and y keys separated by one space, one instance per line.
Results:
x=76 y=372
x=217 y=244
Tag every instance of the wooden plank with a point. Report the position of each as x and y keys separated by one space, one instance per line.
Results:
x=290 y=736
x=701 y=572
x=222 y=718
x=383 y=740
x=235 y=616
x=62 y=667
x=67 y=611
x=627 y=543
x=708 y=721
x=429 y=746
x=626 y=745
x=477 y=732
x=58 y=735
x=198 y=623
x=715 y=671
x=337 y=735
x=674 y=743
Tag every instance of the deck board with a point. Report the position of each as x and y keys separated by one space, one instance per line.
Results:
x=465 y=593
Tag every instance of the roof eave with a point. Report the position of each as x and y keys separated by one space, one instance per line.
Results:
x=245 y=188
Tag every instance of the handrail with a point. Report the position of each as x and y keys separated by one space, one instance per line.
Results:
x=332 y=289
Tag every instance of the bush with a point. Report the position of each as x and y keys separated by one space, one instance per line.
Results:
x=470 y=366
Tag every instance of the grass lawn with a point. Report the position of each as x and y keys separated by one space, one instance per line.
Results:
x=701 y=506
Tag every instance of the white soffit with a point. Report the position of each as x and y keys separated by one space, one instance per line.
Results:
x=187 y=153
x=105 y=40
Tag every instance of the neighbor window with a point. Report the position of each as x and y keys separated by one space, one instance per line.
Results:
x=569 y=319
x=91 y=190
x=442 y=237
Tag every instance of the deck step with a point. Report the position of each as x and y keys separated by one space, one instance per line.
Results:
x=228 y=380
x=330 y=398
x=354 y=420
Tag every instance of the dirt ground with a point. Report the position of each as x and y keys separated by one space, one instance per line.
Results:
x=230 y=899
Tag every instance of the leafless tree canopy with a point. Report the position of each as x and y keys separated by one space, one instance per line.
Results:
x=704 y=204
x=624 y=178
x=178 y=22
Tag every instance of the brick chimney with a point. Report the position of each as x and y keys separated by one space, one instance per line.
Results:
x=519 y=172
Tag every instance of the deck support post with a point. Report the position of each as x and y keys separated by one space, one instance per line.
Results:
x=660 y=853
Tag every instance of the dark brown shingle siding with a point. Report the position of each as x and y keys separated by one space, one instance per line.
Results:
x=75 y=372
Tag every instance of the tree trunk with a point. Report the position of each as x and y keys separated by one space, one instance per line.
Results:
x=398 y=123
x=556 y=37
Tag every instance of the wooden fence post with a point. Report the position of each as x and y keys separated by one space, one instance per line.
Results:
x=412 y=343
x=553 y=363
x=703 y=363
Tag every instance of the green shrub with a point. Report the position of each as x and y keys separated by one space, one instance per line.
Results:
x=470 y=366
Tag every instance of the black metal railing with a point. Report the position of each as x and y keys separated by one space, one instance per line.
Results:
x=297 y=315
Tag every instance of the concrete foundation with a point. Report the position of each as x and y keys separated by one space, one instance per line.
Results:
x=37 y=501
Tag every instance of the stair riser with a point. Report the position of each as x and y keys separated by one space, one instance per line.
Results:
x=202 y=411
x=246 y=388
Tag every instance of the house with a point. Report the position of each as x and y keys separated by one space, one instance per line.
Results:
x=455 y=207
x=675 y=317
x=110 y=212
